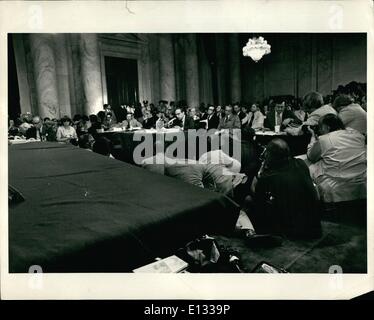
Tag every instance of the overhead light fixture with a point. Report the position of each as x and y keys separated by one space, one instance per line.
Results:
x=256 y=48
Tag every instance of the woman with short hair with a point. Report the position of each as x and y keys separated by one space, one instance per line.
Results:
x=66 y=132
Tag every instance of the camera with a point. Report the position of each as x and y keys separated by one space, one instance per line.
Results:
x=305 y=130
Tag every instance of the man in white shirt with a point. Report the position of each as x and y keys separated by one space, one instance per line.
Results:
x=339 y=161
x=351 y=114
x=314 y=107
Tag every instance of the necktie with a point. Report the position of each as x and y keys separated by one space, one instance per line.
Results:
x=251 y=121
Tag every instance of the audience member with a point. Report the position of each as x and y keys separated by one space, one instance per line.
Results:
x=65 y=132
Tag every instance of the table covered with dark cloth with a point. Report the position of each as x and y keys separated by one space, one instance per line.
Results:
x=298 y=144
x=84 y=212
x=124 y=143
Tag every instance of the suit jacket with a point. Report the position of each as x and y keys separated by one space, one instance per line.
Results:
x=189 y=123
x=120 y=113
x=213 y=121
x=233 y=122
x=149 y=123
x=241 y=115
x=270 y=119
x=203 y=116
x=133 y=123
x=31 y=132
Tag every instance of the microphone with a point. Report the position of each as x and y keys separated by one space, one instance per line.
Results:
x=171 y=121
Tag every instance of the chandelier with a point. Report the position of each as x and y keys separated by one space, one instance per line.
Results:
x=256 y=48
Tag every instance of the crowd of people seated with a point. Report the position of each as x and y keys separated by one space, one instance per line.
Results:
x=280 y=195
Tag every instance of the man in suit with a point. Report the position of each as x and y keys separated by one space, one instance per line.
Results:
x=183 y=121
x=230 y=120
x=149 y=120
x=37 y=131
x=108 y=111
x=238 y=111
x=279 y=117
x=120 y=112
x=130 y=122
x=212 y=118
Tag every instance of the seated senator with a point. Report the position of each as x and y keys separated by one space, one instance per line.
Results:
x=279 y=117
x=182 y=121
x=229 y=120
x=130 y=122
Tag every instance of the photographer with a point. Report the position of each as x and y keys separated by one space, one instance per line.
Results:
x=285 y=202
x=314 y=106
x=339 y=161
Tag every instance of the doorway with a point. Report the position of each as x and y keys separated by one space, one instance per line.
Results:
x=122 y=81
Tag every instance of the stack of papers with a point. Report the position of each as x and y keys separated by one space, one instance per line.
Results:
x=171 y=264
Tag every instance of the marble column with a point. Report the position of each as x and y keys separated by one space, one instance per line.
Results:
x=62 y=74
x=167 y=73
x=41 y=46
x=192 y=71
x=205 y=74
x=234 y=54
x=22 y=73
x=221 y=68
x=91 y=73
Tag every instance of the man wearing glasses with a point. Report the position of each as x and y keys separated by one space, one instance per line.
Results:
x=37 y=131
x=183 y=121
x=212 y=119
x=230 y=120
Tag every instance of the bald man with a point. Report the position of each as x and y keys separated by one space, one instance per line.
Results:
x=37 y=130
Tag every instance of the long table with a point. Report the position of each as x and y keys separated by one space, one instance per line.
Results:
x=125 y=142
x=84 y=212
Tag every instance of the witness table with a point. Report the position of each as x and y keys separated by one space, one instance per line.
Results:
x=125 y=142
x=84 y=212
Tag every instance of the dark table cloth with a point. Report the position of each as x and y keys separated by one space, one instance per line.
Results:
x=84 y=212
x=124 y=143
x=298 y=144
